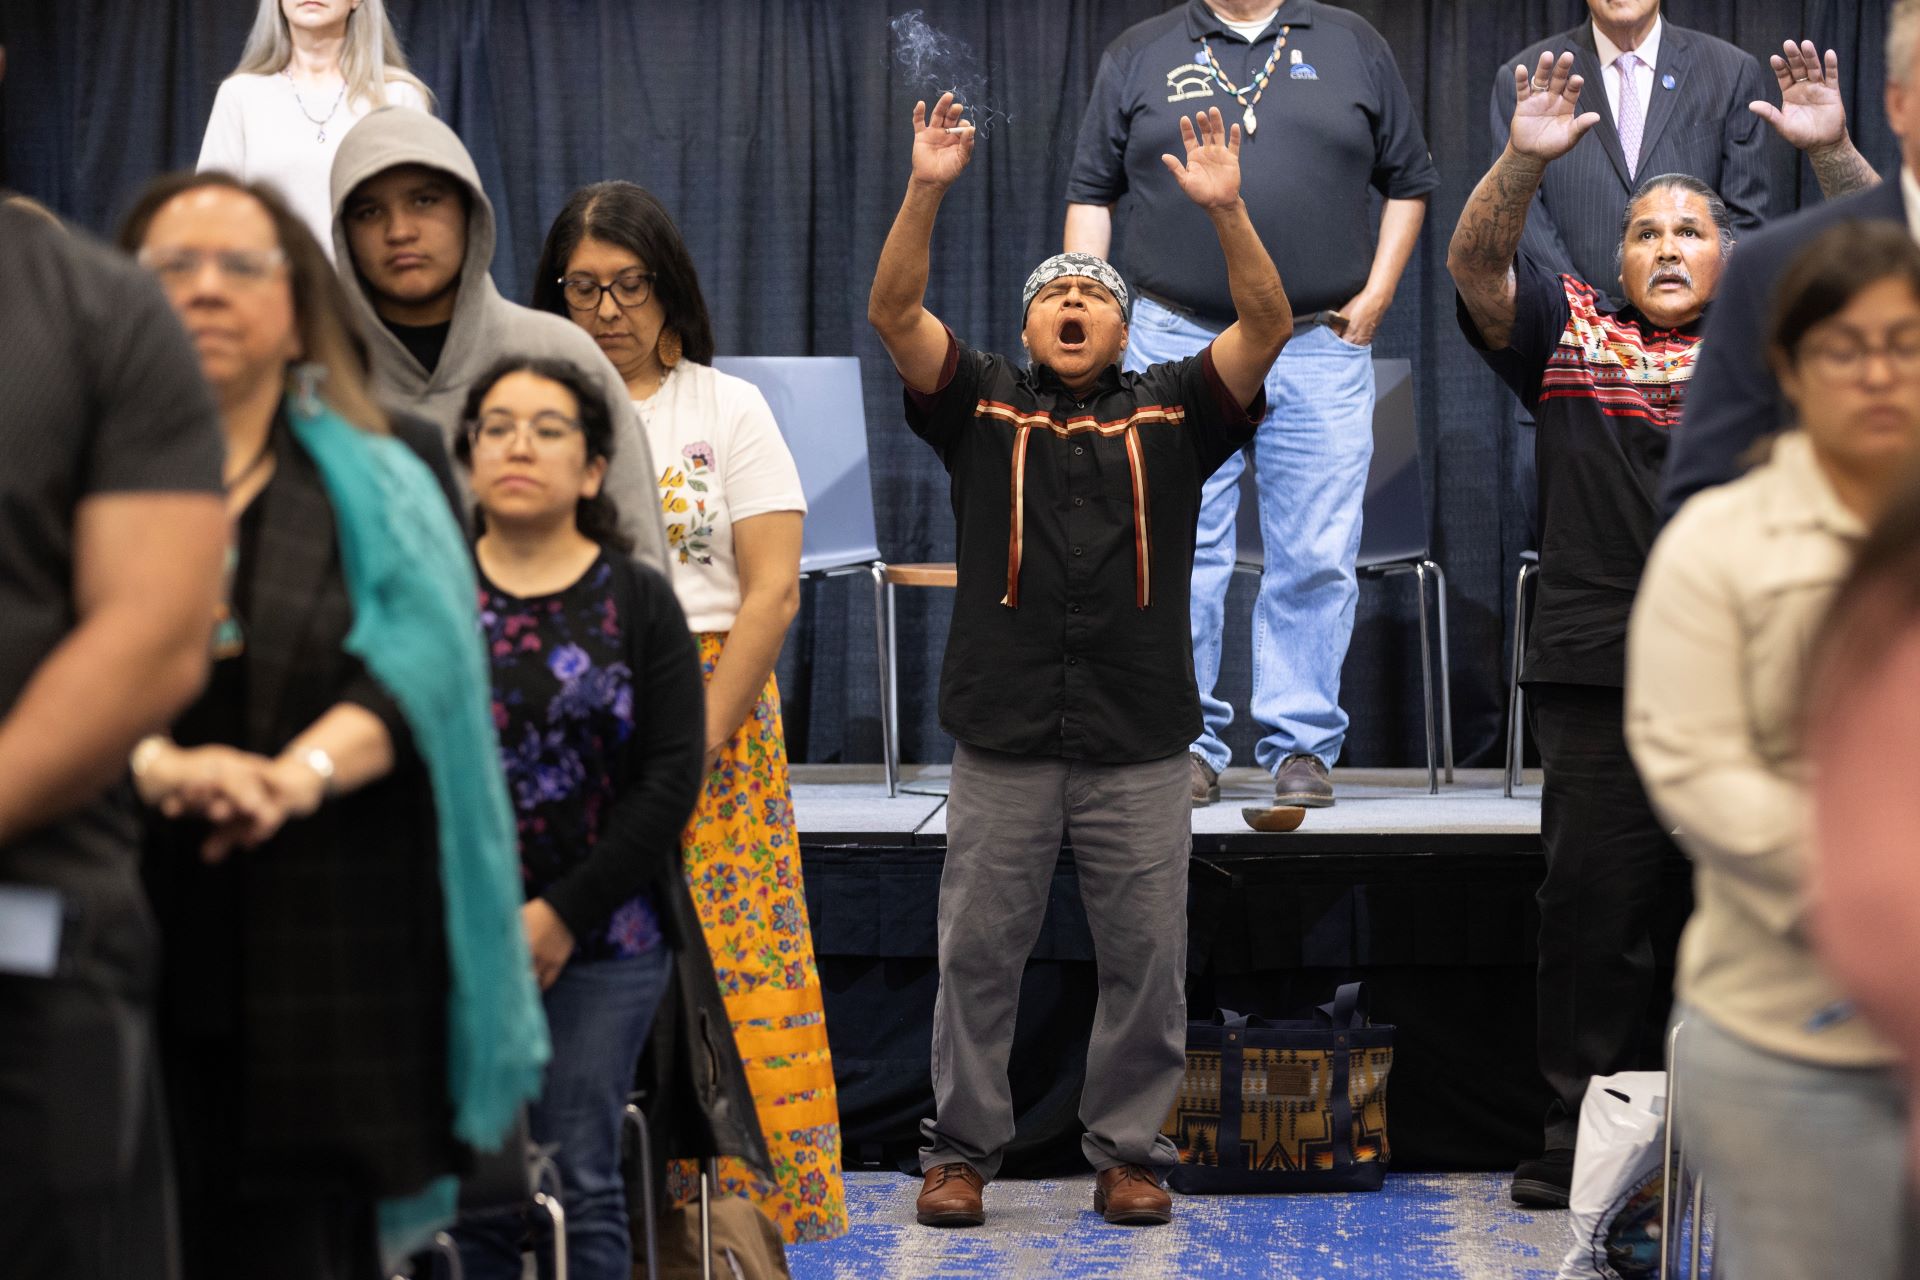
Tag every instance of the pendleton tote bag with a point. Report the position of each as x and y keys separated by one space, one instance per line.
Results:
x=1284 y=1106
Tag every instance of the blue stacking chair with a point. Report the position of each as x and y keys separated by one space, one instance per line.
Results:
x=1394 y=538
x=817 y=402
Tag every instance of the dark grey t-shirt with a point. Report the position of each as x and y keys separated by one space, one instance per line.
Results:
x=100 y=392
x=1333 y=120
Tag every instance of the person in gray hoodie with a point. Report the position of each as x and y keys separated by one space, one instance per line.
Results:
x=413 y=234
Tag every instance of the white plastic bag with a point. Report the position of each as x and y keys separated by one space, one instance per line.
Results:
x=1614 y=1206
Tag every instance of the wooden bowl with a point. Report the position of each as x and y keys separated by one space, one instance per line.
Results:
x=1282 y=817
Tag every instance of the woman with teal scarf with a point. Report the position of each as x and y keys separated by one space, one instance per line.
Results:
x=347 y=999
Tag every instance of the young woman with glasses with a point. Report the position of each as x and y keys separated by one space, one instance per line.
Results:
x=596 y=696
x=730 y=496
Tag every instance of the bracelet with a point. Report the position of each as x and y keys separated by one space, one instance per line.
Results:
x=321 y=763
x=143 y=753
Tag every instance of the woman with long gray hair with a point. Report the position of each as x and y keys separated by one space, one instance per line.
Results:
x=311 y=68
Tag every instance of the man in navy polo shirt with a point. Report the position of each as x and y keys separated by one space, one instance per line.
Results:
x=1327 y=119
x=1068 y=681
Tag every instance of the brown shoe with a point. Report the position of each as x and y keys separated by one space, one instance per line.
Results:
x=950 y=1197
x=1302 y=780
x=1206 y=783
x=1128 y=1195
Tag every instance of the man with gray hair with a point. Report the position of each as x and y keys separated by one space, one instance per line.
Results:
x=1068 y=680
x=1606 y=385
x=1738 y=401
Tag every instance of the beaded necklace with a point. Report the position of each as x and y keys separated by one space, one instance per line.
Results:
x=1259 y=86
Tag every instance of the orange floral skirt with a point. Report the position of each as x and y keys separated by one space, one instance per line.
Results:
x=742 y=860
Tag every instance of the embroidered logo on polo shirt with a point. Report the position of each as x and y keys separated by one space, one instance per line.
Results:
x=1303 y=71
x=1189 y=80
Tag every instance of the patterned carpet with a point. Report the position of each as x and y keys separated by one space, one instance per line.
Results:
x=1421 y=1227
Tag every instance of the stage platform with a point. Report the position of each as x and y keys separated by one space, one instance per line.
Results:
x=1428 y=899
x=1378 y=810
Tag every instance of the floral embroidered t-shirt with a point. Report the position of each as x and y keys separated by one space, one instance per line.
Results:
x=563 y=706
x=722 y=460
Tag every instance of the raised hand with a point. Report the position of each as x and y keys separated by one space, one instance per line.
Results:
x=1810 y=113
x=1547 y=120
x=942 y=142
x=1211 y=174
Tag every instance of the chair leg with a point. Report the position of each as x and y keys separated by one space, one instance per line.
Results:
x=883 y=643
x=709 y=1183
x=1446 y=670
x=1670 y=1166
x=637 y=1119
x=557 y=1215
x=1516 y=709
x=893 y=681
x=449 y=1253
x=1426 y=677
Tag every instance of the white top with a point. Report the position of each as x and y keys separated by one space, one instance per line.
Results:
x=1910 y=197
x=1648 y=51
x=259 y=133
x=722 y=460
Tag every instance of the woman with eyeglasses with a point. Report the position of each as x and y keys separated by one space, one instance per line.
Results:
x=1791 y=1103
x=596 y=696
x=346 y=1002
x=731 y=499
x=310 y=70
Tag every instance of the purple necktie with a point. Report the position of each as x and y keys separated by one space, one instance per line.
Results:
x=1629 y=111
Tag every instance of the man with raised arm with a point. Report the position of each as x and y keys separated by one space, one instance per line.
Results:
x=1605 y=386
x=1068 y=682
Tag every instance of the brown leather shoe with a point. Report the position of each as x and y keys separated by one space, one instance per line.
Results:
x=1128 y=1195
x=950 y=1197
x=1205 y=782
x=1302 y=780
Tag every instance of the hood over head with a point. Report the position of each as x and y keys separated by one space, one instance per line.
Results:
x=386 y=139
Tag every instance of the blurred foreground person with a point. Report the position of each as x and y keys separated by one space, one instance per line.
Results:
x=347 y=1000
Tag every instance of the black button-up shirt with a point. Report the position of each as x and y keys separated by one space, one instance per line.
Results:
x=1075 y=520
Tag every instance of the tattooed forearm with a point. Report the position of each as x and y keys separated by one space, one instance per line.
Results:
x=1841 y=169
x=1480 y=256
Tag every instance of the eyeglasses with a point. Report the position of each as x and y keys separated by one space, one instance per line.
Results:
x=495 y=430
x=1840 y=360
x=247 y=268
x=629 y=289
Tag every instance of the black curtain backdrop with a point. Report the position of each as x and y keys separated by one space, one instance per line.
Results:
x=776 y=130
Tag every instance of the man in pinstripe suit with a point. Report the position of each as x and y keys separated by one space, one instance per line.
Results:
x=1686 y=113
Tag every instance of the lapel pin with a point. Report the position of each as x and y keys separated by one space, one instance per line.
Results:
x=1666 y=81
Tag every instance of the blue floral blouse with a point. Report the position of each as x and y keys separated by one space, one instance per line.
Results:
x=563 y=706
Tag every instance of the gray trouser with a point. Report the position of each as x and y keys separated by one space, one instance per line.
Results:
x=1805 y=1166
x=1129 y=827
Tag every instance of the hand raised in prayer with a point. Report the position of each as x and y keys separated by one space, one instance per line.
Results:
x=1211 y=174
x=1810 y=113
x=1547 y=120
x=942 y=142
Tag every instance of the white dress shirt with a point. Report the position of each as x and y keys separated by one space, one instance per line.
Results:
x=1648 y=51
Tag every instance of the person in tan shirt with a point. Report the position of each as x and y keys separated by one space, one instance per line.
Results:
x=1790 y=1100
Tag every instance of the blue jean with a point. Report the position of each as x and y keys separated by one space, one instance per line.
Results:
x=599 y=1013
x=1805 y=1165
x=1310 y=456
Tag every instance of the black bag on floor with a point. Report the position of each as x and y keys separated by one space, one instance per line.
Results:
x=1284 y=1106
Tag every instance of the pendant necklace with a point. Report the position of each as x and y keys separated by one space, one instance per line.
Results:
x=322 y=121
x=1259 y=86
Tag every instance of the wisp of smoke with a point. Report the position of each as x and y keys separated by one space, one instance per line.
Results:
x=934 y=63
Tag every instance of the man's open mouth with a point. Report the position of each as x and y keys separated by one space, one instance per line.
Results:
x=1073 y=334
